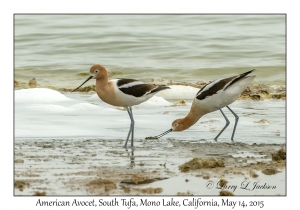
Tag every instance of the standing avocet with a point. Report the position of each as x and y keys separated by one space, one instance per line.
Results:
x=122 y=92
x=214 y=96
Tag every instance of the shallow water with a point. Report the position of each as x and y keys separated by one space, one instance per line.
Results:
x=64 y=141
x=46 y=113
x=66 y=166
x=58 y=50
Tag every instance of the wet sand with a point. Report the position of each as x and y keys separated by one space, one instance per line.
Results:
x=105 y=167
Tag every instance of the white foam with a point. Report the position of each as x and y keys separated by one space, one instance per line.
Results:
x=45 y=113
x=94 y=98
x=156 y=101
x=84 y=107
x=179 y=92
x=49 y=108
x=39 y=95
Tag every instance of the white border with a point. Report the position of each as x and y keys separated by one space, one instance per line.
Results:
x=8 y=8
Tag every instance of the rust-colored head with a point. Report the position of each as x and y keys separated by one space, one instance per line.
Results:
x=98 y=71
x=179 y=125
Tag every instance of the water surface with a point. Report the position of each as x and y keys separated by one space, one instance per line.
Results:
x=58 y=50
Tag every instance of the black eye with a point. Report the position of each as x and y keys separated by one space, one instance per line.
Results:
x=96 y=71
x=176 y=124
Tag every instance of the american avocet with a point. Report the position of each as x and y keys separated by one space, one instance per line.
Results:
x=122 y=92
x=214 y=96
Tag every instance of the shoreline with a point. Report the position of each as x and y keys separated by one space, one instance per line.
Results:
x=256 y=92
x=104 y=167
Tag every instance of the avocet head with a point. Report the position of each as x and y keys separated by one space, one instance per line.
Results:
x=178 y=125
x=97 y=72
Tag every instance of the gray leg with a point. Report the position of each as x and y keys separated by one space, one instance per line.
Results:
x=129 y=132
x=227 y=123
x=131 y=129
x=236 y=121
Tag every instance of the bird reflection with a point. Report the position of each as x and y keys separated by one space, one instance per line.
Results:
x=130 y=154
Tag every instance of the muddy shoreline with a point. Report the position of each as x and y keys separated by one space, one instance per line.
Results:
x=105 y=167
x=254 y=92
